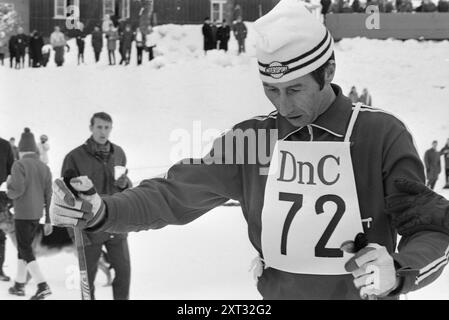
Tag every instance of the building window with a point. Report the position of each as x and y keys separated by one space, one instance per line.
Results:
x=108 y=8
x=64 y=8
x=126 y=9
x=217 y=10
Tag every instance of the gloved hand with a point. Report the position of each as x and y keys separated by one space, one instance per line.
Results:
x=417 y=207
x=80 y=211
x=48 y=229
x=373 y=270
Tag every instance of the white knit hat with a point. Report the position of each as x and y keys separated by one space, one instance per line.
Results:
x=292 y=42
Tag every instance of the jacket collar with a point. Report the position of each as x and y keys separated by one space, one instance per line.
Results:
x=334 y=120
x=89 y=146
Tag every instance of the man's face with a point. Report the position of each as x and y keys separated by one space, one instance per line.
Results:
x=101 y=130
x=435 y=145
x=20 y=30
x=297 y=100
x=57 y=29
x=12 y=141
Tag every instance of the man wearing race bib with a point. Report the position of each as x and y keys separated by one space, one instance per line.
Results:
x=312 y=175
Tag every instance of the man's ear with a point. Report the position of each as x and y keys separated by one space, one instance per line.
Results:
x=329 y=72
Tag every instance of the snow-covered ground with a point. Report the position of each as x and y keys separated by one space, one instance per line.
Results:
x=208 y=259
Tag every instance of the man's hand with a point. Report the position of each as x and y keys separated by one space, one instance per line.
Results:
x=69 y=210
x=48 y=229
x=123 y=182
x=417 y=207
x=374 y=271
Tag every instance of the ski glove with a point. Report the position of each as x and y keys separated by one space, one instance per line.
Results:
x=81 y=210
x=374 y=271
x=417 y=208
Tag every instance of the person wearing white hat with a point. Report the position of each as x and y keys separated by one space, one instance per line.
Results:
x=43 y=148
x=310 y=177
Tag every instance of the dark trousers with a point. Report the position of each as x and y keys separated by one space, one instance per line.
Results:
x=26 y=231
x=97 y=55
x=150 y=53
x=224 y=45
x=118 y=254
x=59 y=56
x=2 y=250
x=12 y=57
x=126 y=55
x=139 y=55
x=111 y=54
x=81 y=53
x=241 y=43
x=2 y=58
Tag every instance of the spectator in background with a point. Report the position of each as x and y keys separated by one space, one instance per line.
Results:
x=140 y=45
x=3 y=45
x=107 y=22
x=12 y=45
x=346 y=7
x=406 y=6
x=365 y=98
x=30 y=188
x=22 y=41
x=208 y=38
x=80 y=37
x=150 y=42
x=112 y=37
x=445 y=153
x=214 y=28
x=426 y=6
x=43 y=147
x=35 y=51
x=443 y=6
x=433 y=165
x=15 y=150
x=353 y=95
x=126 y=40
x=337 y=6
x=356 y=7
x=240 y=33
x=223 y=35
x=97 y=42
x=58 y=42
x=389 y=7
x=325 y=6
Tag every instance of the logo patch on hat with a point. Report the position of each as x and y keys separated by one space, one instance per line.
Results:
x=276 y=70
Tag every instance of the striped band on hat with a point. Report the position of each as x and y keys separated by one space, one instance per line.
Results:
x=284 y=71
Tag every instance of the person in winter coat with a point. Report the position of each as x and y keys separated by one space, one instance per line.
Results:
x=97 y=42
x=80 y=37
x=36 y=44
x=240 y=33
x=426 y=6
x=107 y=23
x=58 y=42
x=214 y=28
x=6 y=162
x=365 y=98
x=112 y=37
x=126 y=40
x=443 y=6
x=140 y=45
x=207 y=35
x=353 y=95
x=3 y=47
x=21 y=43
x=30 y=188
x=15 y=150
x=445 y=153
x=432 y=164
x=12 y=46
x=98 y=158
x=223 y=35
x=325 y=157
x=406 y=6
x=150 y=42
x=43 y=147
